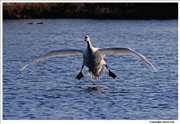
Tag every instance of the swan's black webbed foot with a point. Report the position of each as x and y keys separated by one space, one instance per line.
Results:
x=80 y=75
x=112 y=74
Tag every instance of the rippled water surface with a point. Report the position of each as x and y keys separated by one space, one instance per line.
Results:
x=49 y=90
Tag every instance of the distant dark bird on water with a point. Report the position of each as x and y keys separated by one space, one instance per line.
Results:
x=40 y=23
x=30 y=23
x=93 y=58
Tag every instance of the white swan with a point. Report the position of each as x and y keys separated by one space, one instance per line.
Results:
x=93 y=58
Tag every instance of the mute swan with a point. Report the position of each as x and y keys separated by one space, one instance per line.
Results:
x=93 y=58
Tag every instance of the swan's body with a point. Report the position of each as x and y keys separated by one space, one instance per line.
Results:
x=93 y=58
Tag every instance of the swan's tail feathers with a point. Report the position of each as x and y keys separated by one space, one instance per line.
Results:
x=96 y=73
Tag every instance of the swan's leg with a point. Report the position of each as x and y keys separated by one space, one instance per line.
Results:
x=111 y=73
x=80 y=75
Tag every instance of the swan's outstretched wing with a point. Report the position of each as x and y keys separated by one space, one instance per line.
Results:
x=126 y=51
x=61 y=52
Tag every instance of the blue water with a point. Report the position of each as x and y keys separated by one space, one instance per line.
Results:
x=48 y=90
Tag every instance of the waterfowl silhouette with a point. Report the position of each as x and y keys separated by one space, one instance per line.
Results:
x=30 y=23
x=40 y=23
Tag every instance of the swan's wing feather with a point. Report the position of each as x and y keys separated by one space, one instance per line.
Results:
x=61 y=52
x=116 y=51
x=126 y=51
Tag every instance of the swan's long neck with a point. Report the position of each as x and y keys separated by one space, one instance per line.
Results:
x=89 y=45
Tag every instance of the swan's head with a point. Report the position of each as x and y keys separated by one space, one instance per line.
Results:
x=87 y=38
